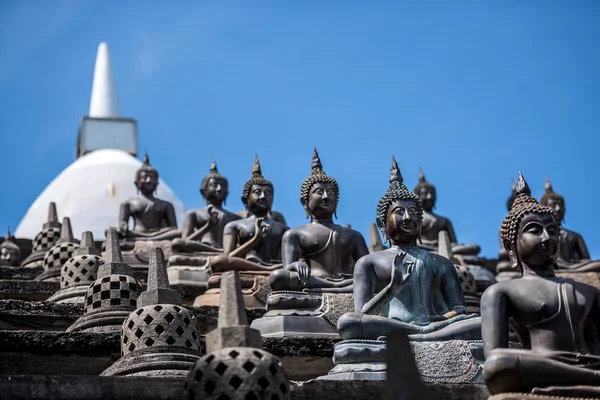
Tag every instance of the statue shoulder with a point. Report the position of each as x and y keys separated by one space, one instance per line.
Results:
x=440 y=261
x=497 y=289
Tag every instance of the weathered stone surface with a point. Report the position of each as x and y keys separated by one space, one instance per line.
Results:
x=21 y=273
x=35 y=315
x=142 y=388
x=27 y=290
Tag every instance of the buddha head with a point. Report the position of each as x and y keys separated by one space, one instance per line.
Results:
x=319 y=193
x=146 y=178
x=554 y=201
x=214 y=187
x=399 y=211
x=10 y=254
x=426 y=192
x=257 y=194
x=530 y=232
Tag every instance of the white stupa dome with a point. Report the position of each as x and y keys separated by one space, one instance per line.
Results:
x=90 y=192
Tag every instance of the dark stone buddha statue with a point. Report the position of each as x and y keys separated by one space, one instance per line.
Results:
x=154 y=219
x=203 y=228
x=504 y=264
x=10 y=253
x=556 y=318
x=319 y=255
x=573 y=254
x=433 y=223
x=253 y=243
x=405 y=286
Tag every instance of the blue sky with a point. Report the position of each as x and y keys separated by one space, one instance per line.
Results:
x=471 y=92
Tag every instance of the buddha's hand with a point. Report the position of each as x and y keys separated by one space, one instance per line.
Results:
x=123 y=228
x=264 y=228
x=213 y=215
x=403 y=271
x=302 y=269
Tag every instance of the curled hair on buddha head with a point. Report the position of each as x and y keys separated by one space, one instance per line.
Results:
x=423 y=184
x=317 y=175
x=146 y=167
x=255 y=179
x=524 y=204
x=212 y=174
x=396 y=191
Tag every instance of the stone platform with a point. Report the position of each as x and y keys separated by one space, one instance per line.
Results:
x=27 y=290
x=16 y=387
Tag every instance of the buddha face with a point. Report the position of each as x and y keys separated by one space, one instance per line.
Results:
x=9 y=257
x=538 y=240
x=403 y=223
x=260 y=199
x=147 y=182
x=558 y=206
x=322 y=200
x=216 y=190
x=427 y=196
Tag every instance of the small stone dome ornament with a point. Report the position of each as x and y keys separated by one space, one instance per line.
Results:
x=235 y=367
x=160 y=338
x=44 y=240
x=59 y=254
x=112 y=296
x=78 y=272
x=10 y=253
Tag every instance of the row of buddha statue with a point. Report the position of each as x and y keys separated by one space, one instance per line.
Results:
x=321 y=280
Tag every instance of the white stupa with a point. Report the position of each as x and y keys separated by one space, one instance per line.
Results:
x=90 y=190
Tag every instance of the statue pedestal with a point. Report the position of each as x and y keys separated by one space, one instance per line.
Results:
x=137 y=255
x=34 y=261
x=553 y=393
x=255 y=288
x=190 y=269
x=452 y=361
x=72 y=295
x=291 y=313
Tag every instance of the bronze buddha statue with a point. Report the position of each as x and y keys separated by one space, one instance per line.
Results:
x=319 y=255
x=433 y=223
x=10 y=253
x=556 y=318
x=154 y=219
x=405 y=286
x=208 y=222
x=253 y=243
x=573 y=254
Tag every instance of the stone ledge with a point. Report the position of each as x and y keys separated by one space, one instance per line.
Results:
x=142 y=388
x=21 y=273
x=27 y=290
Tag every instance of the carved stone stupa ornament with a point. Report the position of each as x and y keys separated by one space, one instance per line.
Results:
x=561 y=346
x=317 y=257
x=235 y=366
x=409 y=288
x=573 y=254
x=112 y=296
x=44 y=240
x=433 y=223
x=161 y=337
x=78 y=272
x=10 y=253
x=59 y=254
x=251 y=245
x=202 y=233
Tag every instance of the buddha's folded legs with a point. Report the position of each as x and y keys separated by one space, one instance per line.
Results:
x=371 y=327
x=163 y=234
x=583 y=266
x=466 y=249
x=516 y=370
x=284 y=279
x=225 y=263
x=189 y=246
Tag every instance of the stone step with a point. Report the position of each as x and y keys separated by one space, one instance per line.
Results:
x=15 y=387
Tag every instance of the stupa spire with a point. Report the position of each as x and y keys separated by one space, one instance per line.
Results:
x=104 y=102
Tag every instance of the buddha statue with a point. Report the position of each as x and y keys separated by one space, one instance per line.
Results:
x=556 y=318
x=208 y=222
x=10 y=253
x=573 y=254
x=154 y=219
x=504 y=268
x=250 y=245
x=318 y=257
x=433 y=224
x=408 y=288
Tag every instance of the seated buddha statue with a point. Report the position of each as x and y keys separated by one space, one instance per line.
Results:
x=573 y=254
x=319 y=255
x=433 y=223
x=154 y=219
x=203 y=228
x=556 y=318
x=274 y=215
x=10 y=253
x=504 y=265
x=405 y=286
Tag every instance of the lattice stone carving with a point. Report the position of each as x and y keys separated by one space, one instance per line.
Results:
x=159 y=325
x=79 y=270
x=467 y=281
x=112 y=291
x=46 y=239
x=238 y=373
x=58 y=255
